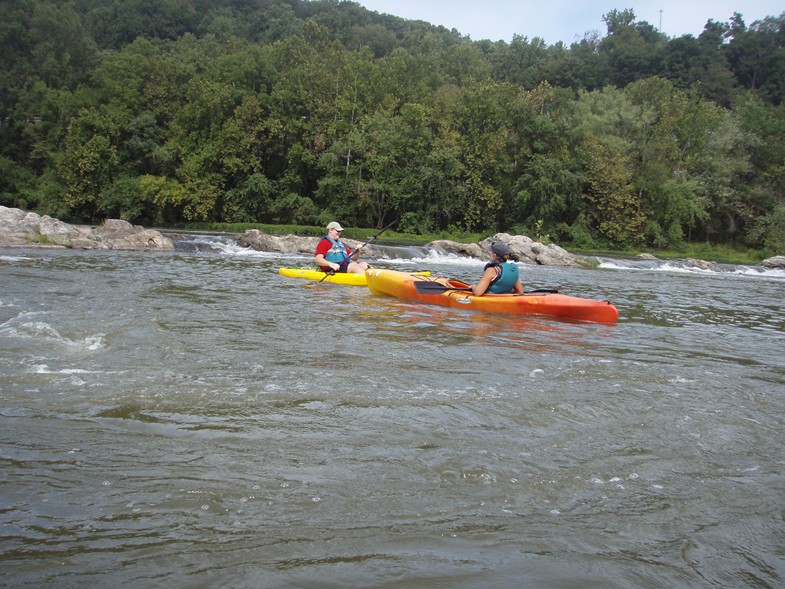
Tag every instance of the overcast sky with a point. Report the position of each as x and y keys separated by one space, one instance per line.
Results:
x=569 y=20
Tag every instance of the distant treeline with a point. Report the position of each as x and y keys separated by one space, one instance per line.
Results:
x=162 y=112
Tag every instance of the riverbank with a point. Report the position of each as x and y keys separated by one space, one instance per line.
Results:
x=18 y=227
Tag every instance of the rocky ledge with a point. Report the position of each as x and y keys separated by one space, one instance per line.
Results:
x=524 y=248
x=21 y=228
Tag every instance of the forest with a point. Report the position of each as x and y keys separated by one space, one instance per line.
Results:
x=169 y=112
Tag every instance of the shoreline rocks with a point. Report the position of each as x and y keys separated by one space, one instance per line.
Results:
x=21 y=228
x=524 y=248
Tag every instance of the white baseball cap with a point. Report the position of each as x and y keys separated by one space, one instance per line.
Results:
x=334 y=225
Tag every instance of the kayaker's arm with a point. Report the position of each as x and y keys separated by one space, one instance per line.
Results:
x=484 y=283
x=322 y=262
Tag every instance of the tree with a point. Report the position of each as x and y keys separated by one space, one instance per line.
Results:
x=613 y=206
x=618 y=21
x=123 y=21
x=633 y=49
x=61 y=53
x=764 y=184
x=88 y=161
x=388 y=155
x=692 y=155
x=756 y=55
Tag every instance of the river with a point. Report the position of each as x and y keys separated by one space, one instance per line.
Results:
x=193 y=419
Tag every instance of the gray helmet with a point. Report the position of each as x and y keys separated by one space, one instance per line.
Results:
x=500 y=250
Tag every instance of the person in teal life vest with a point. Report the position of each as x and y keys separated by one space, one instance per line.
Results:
x=332 y=255
x=501 y=274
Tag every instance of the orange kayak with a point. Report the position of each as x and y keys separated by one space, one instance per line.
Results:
x=454 y=293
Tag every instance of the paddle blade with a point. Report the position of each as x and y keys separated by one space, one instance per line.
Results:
x=426 y=287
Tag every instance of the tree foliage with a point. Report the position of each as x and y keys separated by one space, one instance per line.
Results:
x=295 y=111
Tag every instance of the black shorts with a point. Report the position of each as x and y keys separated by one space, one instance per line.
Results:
x=343 y=268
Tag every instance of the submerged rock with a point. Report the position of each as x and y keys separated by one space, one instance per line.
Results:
x=22 y=228
x=702 y=264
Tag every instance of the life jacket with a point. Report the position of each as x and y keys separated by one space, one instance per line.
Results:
x=506 y=276
x=337 y=252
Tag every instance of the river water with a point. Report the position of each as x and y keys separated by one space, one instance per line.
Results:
x=193 y=419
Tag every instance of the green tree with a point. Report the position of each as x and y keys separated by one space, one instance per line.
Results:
x=764 y=186
x=613 y=206
x=692 y=155
x=483 y=119
x=60 y=50
x=122 y=21
x=384 y=170
x=89 y=161
x=757 y=55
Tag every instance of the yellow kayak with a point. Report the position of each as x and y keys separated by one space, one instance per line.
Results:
x=337 y=278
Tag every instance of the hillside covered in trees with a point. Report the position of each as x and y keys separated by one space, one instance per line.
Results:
x=292 y=111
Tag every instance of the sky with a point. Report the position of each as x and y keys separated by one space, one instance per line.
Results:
x=569 y=20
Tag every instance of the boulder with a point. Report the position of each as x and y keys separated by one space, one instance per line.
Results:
x=533 y=252
x=285 y=244
x=290 y=244
x=702 y=264
x=522 y=247
x=774 y=263
x=23 y=228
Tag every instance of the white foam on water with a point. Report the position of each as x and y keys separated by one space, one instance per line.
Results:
x=44 y=369
x=19 y=327
x=233 y=249
x=14 y=259
x=759 y=271
x=685 y=268
x=435 y=257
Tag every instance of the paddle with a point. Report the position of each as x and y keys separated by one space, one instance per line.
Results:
x=426 y=287
x=377 y=235
x=331 y=272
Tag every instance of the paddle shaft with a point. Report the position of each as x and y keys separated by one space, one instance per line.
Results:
x=326 y=274
x=378 y=234
x=427 y=287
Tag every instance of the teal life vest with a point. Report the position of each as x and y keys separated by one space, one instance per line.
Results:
x=506 y=277
x=337 y=252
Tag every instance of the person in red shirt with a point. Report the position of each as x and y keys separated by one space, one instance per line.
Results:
x=332 y=255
